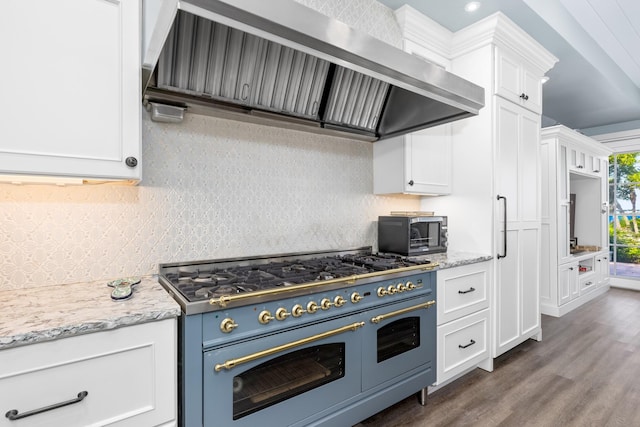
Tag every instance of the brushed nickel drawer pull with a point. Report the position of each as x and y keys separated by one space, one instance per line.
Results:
x=472 y=342
x=264 y=353
x=15 y=415
x=467 y=291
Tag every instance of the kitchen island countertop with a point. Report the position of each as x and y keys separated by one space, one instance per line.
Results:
x=40 y=314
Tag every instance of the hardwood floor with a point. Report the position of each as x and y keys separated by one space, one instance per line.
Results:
x=584 y=372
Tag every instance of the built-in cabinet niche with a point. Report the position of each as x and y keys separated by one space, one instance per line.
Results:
x=575 y=253
x=585 y=213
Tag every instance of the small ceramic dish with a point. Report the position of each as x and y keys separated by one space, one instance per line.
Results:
x=122 y=291
x=131 y=281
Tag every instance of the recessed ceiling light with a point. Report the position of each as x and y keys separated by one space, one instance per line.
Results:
x=472 y=6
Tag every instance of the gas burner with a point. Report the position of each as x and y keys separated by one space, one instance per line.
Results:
x=325 y=275
x=197 y=282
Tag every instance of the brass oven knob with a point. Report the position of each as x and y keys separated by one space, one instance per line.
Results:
x=312 y=307
x=282 y=313
x=325 y=304
x=401 y=287
x=339 y=301
x=297 y=310
x=410 y=286
x=382 y=291
x=265 y=317
x=228 y=325
x=356 y=297
x=391 y=290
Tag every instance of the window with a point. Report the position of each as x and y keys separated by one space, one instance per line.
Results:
x=624 y=225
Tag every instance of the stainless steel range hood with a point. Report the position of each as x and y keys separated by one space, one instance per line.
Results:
x=280 y=63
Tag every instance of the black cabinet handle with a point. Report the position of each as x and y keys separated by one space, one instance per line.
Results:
x=411 y=182
x=132 y=162
x=504 y=244
x=467 y=291
x=524 y=96
x=472 y=342
x=15 y=415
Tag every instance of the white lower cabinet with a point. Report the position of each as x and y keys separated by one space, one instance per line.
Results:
x=463 y=319
x=120 y=377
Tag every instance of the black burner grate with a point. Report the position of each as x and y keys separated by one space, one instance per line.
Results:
x=209 y=281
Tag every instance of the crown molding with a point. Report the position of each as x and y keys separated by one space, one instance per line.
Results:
x=424 y=31
x=574 y=137
x=501 y=31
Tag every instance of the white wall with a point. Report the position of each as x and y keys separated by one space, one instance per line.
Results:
x=211 y=189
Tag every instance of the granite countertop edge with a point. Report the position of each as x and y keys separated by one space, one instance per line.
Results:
x=452 y=258
x=35 y=315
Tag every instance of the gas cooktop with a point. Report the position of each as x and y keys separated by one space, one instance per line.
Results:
x=207 y=279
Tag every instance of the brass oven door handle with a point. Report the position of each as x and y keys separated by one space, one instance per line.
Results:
x=265 y=353
x=382 y=317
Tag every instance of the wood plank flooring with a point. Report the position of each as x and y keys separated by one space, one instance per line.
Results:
x=584 y=372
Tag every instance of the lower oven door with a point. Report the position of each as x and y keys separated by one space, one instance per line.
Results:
x=399 y=340
x=278 y=379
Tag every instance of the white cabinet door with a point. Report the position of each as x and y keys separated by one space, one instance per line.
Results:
x=518 y=225
x=418 y=163
x=429 y=161
x=123 y=377
x=602 y=269
x=71 y=88
x=517 y=83
x=567 y=282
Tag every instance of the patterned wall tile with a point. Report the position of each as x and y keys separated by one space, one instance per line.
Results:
x=211 y=188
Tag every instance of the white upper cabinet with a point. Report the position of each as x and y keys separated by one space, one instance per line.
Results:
x=517 y=81
x=71 y=89
x=417 y=163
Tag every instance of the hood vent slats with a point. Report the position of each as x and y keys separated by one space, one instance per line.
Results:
x=355 y=100
x=280 y=63
x=204 y=58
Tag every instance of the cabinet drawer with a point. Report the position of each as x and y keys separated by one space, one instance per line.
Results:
x=120 y=371
x=462 y=344
x=588 y=282
x=462 y=290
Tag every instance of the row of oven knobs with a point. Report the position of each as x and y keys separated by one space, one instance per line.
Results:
x=298 y=310
x=395 y=289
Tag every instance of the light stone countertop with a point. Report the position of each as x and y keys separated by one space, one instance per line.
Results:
x=34 y=315
x=453 y=258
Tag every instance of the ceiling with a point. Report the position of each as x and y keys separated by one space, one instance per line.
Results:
x=595 y=86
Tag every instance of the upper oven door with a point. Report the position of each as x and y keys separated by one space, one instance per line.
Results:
x=399 y=340
x=279 y=379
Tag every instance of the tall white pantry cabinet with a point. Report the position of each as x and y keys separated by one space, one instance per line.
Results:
x=494 y=206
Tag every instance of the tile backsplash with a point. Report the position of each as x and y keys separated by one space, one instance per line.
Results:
x=211 y=188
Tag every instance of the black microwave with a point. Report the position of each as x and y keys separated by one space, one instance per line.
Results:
x=412 y=235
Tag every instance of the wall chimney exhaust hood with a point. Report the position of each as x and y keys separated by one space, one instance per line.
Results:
x=280 y=63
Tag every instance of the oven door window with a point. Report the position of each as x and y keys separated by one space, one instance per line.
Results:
x=401 y=344
x=286 y=376
x=398 y=337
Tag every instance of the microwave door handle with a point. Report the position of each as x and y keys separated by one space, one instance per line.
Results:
x=504 y=220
